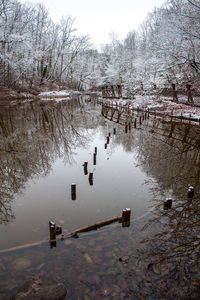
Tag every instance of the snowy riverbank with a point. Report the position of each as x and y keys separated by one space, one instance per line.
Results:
x=160 y=104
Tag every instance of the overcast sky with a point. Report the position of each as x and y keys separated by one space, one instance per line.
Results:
x=99 y=17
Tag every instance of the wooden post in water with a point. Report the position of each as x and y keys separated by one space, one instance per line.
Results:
x=52 y=230
x=85 y=167
x=91 y=178
x=73 y=191
x=167 y=204
x=94 y=159
x=126 y=214
x=108 y=139
x=58 y=229
x=135 y=123
x=190 y=192
x=140 y=120
x=114 y=130
x=105 y=146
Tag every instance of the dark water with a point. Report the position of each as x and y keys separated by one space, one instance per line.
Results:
x=43 y=148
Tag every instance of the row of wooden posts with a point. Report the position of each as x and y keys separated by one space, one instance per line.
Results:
x=168 y=203
x=54 y=230
x=90 y=177
x=85 y=166
x=119 y=108
x=124 y=219
x=115 y=91
x=136 y=120
x=132 y=122
x=111 y=91
x=129 y=122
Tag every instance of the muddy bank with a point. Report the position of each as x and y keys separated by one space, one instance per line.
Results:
x=21 y=93
x=9 y=94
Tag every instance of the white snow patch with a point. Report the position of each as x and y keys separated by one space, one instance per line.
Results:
x=54 y=93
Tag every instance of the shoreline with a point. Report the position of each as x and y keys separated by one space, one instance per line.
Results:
x=161 y=104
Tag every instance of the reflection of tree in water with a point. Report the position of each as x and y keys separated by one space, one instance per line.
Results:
x=168 y=265
x=32 y=136
x=6 y=214
x=171 y=257
x=170 y=155
x=168 y=152
x=117 y=119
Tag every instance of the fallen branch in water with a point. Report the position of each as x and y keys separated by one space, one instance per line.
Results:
x=124 y=219
x=64 y=236
x=96 y=226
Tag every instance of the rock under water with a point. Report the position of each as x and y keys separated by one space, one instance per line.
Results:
x=41 y=287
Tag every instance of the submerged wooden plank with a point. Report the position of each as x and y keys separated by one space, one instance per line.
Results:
x=64 y=236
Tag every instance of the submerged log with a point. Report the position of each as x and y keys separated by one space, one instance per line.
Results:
x=125 y=217
x=95 y=226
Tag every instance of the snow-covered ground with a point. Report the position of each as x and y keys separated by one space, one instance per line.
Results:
x=167 y=107
x=58 y=95
x=162 y=105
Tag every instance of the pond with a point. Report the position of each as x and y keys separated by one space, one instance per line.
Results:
x=141 y=160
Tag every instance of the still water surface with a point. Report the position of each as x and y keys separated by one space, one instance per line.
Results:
x=42 y=150
x=43 y=153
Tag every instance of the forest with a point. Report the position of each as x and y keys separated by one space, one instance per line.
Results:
x=34 y=50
